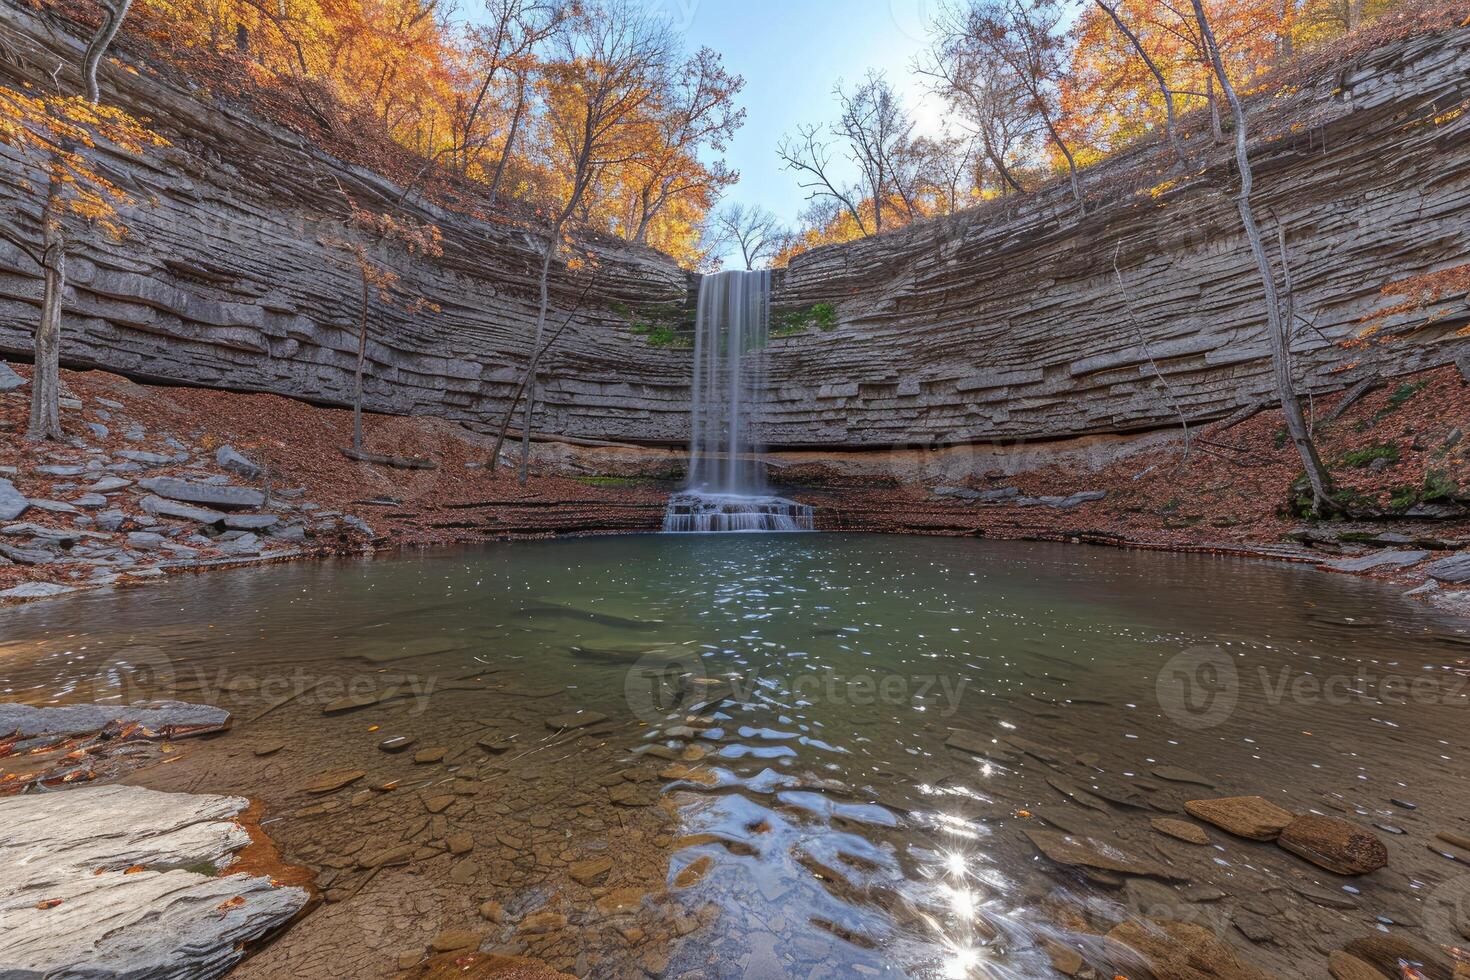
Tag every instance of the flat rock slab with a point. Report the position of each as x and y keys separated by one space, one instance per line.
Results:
x=1332 y=843
x=1244 y=816
x=167 y=718
x=1454 y=570
x=36 y=590
x=1088 y=852
x=76 y=904
x=224 y=497
x=159 y=507
x=1389 y=558
x=576 y=719
x=9 y=380
x=12 y=502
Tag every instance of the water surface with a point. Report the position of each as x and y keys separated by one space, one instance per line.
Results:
x=771 y=784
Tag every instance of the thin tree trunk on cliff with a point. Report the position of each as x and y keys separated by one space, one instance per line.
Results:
x=552 y=241
x=1168 y=94
x=515 y=399
x=510 y=136
x=362 y=334
x=1291 y=406
x=112 y=19
x=45 y=421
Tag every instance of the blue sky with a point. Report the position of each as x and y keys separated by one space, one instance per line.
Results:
x=791 y=53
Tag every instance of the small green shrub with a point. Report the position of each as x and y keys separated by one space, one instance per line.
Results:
x=1360 y=459
x=1404 y=392
x=822 y=316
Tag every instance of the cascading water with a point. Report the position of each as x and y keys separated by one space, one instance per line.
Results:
x=726 y=489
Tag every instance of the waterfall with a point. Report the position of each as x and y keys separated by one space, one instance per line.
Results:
x=726 y=490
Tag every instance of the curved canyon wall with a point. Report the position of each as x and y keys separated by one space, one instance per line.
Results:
x=1002 y=323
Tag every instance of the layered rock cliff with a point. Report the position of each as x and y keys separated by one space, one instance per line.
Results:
x=1024 y=319
x=1005 y=322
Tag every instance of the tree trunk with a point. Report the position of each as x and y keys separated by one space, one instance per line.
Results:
x=510 y=137
x=362 y=335
x=1291 y=406
x=112 y=20
x=552 y=242
x=45 y=421
x=1170 y=130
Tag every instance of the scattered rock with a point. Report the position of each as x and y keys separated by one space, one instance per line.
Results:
x=1244 y=816
x=573 y=720
x=588 y=872
x=206 y=494
x=9 y=380
x=1387 y=952
x=1345 y=966
x=264 y=749
x=693 y=872
x=492 y=911
x=1334 y=844
x=460 y=844
x=1379 y=559
x=160 y=507
x=1454 y=570
x=12 y=502
x=333 y=781
x=228 y=458
x=397 y=743
x=1178 y=951
x=1088 y=852
x=1176 y=774
x=539 y=922
x=1180 y=830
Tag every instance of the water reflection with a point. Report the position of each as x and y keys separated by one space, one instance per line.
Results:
x=850 y=733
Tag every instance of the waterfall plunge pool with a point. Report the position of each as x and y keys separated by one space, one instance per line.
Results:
x=793 y=755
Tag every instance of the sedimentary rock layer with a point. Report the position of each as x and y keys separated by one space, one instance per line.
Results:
x=1005 y=322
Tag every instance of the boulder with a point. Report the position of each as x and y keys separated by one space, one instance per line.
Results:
x=227 y=457
x=209 y=495
x=1334 y=844
x=12 y=502
x=1454 y=570
x=1244 y=816
x=95 y=885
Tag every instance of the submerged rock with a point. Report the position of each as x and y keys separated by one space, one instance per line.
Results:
x=1244 y=816
x=1088 y=852
x=94 y=885
x=1334 y=844
x=1177 y=951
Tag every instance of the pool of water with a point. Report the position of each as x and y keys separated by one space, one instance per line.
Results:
x=794 y=755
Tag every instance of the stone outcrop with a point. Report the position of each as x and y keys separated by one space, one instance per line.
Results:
x=1004 y=322
x=1008 y=321
x=106 y=881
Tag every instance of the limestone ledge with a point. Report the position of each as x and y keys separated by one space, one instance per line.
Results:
x=1002 y=323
